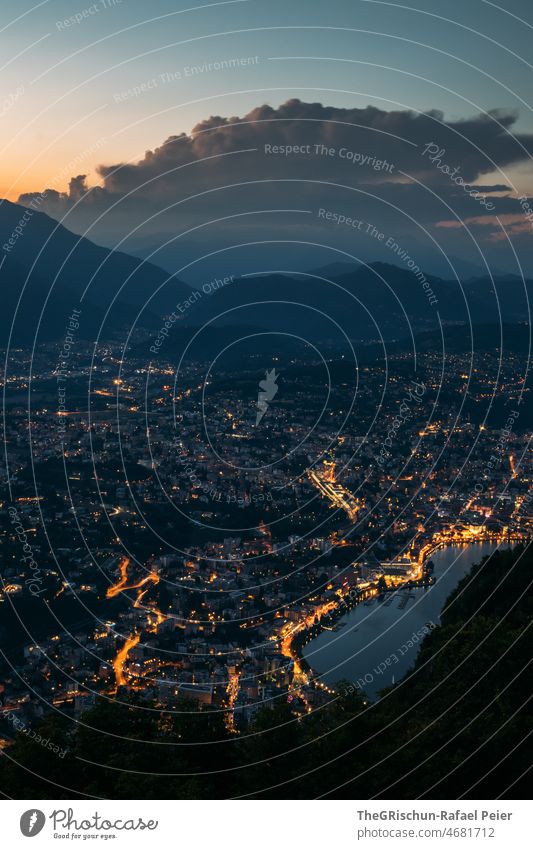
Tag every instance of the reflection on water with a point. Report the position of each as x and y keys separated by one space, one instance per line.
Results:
x=372 y=644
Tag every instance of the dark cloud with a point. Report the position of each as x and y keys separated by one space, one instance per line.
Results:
x=350 y=159
x=477 y=145
x=77 y=187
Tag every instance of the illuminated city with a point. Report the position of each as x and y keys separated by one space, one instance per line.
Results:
x=267 y=405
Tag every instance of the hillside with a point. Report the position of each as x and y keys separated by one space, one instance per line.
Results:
x=50 y=269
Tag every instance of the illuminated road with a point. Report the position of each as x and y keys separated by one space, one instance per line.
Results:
x=329 y=487
x=122 y=585
x=289 y=632
x=119 y=586
x=122 y=656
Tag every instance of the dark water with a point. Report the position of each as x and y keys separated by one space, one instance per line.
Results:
x=379 y=632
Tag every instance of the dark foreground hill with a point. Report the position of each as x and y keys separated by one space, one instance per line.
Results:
x=457 y=727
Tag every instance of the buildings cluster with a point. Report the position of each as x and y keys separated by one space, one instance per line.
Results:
x=183 y=547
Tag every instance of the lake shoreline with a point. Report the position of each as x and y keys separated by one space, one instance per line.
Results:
x=383 y=630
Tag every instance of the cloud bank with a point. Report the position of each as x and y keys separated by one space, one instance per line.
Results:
x=394 y=165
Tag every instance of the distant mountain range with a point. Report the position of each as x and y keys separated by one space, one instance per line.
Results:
x=172 y=254
x=49 y=269
x=364 y=303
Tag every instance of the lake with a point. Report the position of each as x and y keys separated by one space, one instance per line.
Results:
x=371 y=645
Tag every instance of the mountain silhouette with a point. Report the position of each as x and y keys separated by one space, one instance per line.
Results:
x=45 y=271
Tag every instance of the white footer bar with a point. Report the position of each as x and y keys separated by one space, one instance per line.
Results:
x=263 y=824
